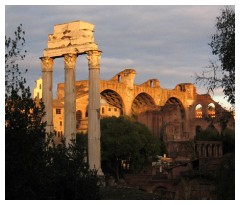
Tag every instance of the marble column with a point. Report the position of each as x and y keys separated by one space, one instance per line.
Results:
x=69 y=97
x=47 y=97
x=94 y=146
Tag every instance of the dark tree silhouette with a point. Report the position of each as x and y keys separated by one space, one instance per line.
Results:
x=222 y=74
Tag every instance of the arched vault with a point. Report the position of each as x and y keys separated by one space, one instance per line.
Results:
x=113 y=98
x=176 y=102
x=142 y=103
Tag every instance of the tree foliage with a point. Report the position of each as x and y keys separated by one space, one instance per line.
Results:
x=33 y=168
x=225 y=178
x=67 y=175
x=208 y=134
x=223 y=46
x=125 y=139
x=24 y=129
x=227 y=136
x=14 y=52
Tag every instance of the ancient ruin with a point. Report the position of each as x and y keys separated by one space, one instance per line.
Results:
x=173 y=115
x=68 y=41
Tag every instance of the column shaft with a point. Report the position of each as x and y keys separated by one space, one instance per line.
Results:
x=69 y=98
x=94 y=150
x=47 y=69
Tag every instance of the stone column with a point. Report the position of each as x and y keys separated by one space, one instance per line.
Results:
x=198 y=150
x=220 y=151
x=69 y=97
x=47 y=69
x=186 y=125
x=217 y=150
x=214 y=151
x=94 y=146
x=128 y=106
x=204 y=150
x=210 y=150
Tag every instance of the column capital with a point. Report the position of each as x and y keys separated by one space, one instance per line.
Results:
x=94 y=57
x=70 y=61
x=47 y=64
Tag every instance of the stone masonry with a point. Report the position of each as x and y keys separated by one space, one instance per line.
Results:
x=68 y=41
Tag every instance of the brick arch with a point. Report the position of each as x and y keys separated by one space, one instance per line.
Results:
x=206 y=100
x=113 y=98
x=175 y=101
x=174 y=118
x=211 y=110
x=198 y=111
x=142 y=102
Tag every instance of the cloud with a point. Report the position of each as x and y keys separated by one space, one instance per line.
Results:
x=169 y=43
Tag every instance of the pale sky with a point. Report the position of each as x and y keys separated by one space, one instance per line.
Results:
x=169 y=43
x=166 y=42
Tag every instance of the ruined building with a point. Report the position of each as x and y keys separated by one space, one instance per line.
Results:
x=174 y=115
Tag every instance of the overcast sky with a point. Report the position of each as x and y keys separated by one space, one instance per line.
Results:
x=169 y=43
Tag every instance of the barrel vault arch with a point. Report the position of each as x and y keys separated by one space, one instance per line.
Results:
x=113 y=98
x=177 y=102
x=174 y=116
x=141 y=103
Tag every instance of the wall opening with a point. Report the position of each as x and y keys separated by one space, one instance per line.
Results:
x=211 y=110
x=198 y=111
x=119 y=78
x=78 y=118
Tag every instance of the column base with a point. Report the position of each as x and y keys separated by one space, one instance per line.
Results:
x=101 y=178
x=100 y=173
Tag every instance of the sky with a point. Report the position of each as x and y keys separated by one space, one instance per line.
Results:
x=168 y=42
x=164 y=42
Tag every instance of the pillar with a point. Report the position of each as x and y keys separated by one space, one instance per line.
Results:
x=128 y=106
x=220 y=150
x=47 y=69
x=210 y=150
x=198 y=150
x=217 y=150
x=69 y=97
x=204 y=151
x=94 y=146
x=214 y=151
x=186 y=125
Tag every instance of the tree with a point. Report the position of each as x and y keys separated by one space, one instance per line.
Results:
x=24 y=129
x=223 y=46
x=125 y=140
x=225 y=178
x=33 y=168
x=209 y=134
x=67 y=175
x=14 y=52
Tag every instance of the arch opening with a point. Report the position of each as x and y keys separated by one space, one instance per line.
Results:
x=173 y=120
x=198 y=111
x=111 y=104
x=78 y=118
x=211 y=110
x=175 y=104
x=119 y=78
x=142 y=103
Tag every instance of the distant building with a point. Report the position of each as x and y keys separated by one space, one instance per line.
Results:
x=173 y=115
x=37 y=92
